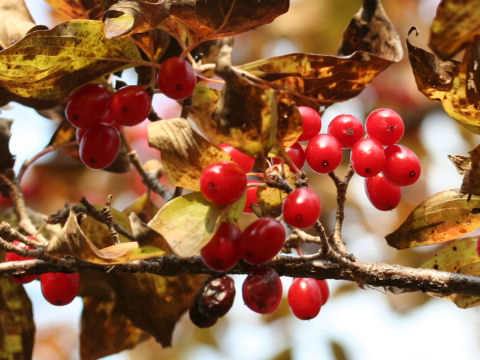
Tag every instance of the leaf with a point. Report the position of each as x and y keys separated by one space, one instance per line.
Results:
x=193 y=21
x=154 y=303
x=446 y=216
x=456 y=24
x=463 y=301
x=184 y=153
x=455 y=84
x=64 y=134
x=461 y=163
x=188 y=222
x=16 y=21
x=270 y=200
x=471 y=180
x=6 y=158
x=105 y=330
x=17 y=328
x=43 y=68
x=81 y=9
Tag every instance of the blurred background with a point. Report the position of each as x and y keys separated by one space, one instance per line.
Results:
x=355 y=324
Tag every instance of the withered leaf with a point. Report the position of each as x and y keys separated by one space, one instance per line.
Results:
x=184 y=153
x=464 y=301
x=153 y=43
x=43 y=68
x=455 y=25
x=270 y=199
x=445 y=216
x=471 y=180
x=17 y=328
x=64 y=134
x=461 y=163
x=105 y=330
x=81 y=9
x=154 y=303
x=455 y=84
x=16 y=21
x=6 y=158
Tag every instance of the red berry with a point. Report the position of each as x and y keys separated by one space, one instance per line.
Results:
x=176 y=78
x=305 y=298
x=79 y=132
x=311 y=122
x=262 y=290
x=367 y=157
x=223 y=183
x=302 y=208
x=130 y=105
x=347 y=129
x=323 y=153
x=60 y=288
x=215 y=297
x=9 y=256
x=99 y=146
x=251 y=196
x=296 y=154
x=381 y=193
x=246 y=162
x=402 y=166
x=223 y=251
x=323 y=285
x=385 y=125
x=262 y=240
x=88 y=106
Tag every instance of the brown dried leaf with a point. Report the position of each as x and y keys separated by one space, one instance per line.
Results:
x=455 y=84
x=446 y=216
x=6 y=158
x=270 y=199
x=184 y=153
x=16 y=21
x=455 y=25
x=17 y=328
x=461 y=163
x=81 y=9
x=65 y=133
x=105 y=330
x=471 y=180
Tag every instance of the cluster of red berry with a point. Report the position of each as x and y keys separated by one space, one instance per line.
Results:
x=57 y=288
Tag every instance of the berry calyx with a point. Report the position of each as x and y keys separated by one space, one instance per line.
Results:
x=385 y=125
x=223 y=183
x=262 y=240
x=302 y=208
x=262 y=290
x=402 y=166
x=88 y=105
x=223 y=251
x=246 y=162
x=130 y=105
x=347 y=129
x=323 y=153
x=99 y=146
x=10 y=256
x=305 y=298
x=60 y=288
x=367 y=157
x=382 y=194
x=311 y=123
x=176 y=78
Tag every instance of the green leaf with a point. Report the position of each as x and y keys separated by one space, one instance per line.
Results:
x=188 y=222
x=17 y=328
x=446 y=216
x=43 y=68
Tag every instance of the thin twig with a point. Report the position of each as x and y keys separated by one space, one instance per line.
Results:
x=107 y=212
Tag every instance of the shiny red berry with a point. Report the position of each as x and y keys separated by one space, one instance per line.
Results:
x=305 y=298
x=302 y=208
x=9 y=256
x=130 y=105
x=60 y=288
x=347 y=129
x=402 y=166
x=262 y=290
x=246 y=162
x=88 y=105
x=176 y=78
x=311 y=122
x=223 y=183
x=251 y=196
x=223 y=251
x=323 y=285
x=323 y=153
x=262 y=240
x=367 y=157
x=385 y=125
x=296 y=154
x=382 y=194
x=99 y=146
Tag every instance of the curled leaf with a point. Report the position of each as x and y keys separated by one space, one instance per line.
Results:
x=43 y=68
x=446 y=216
x=184 y=153
x=461 y=163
